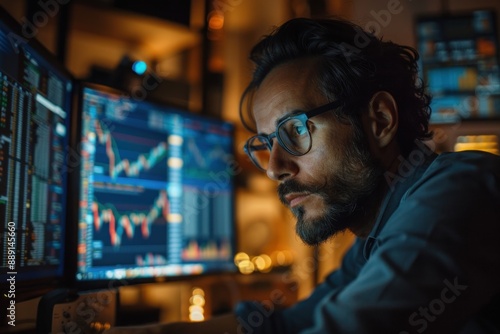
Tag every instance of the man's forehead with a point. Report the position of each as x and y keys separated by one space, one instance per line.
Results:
x=269 y=107
x=286 y=89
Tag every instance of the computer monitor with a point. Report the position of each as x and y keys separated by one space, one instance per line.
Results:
x=35 y=111
x=155 y=191
x=460 y=64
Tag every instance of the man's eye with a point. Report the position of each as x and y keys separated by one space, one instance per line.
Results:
x=297 y=129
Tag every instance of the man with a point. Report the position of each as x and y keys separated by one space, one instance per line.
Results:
x=340 y=118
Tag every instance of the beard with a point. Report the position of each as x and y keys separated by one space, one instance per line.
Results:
x=347 y=195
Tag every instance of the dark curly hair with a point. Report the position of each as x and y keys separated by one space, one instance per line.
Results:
x=352 y=65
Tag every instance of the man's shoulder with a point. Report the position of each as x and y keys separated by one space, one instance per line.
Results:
x=453 y=176
x=479 y=158
x=453 y=190
x=444 y=170
x=477 y=164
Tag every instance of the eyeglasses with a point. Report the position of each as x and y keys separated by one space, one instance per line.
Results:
x=292 y=133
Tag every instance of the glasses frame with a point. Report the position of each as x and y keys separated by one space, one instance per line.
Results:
x=303 y=117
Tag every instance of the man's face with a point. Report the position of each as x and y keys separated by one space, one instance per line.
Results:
x=327 y=188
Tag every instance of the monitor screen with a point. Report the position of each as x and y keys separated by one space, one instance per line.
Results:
x=460 y=64
x=35 y=109
x=155 y=191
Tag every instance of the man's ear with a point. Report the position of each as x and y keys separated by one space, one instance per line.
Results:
x=383 y=118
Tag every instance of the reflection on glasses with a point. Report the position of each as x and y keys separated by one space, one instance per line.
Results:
x=292 y=133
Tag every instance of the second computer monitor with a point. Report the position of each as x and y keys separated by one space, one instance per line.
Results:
x=155 y=191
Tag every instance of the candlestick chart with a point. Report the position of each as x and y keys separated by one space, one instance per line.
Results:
x=156 y=191
x=129 y=225
x=127 y=202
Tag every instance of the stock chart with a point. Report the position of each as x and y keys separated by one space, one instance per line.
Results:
x=155 y=190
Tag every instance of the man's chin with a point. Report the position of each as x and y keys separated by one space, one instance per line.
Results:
x=312 y=238
x=309 y=213
x=316 y=231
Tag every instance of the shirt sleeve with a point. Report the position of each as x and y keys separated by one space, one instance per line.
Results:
x=435 y=264
x=257 y=318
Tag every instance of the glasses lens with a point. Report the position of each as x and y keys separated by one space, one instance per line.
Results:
x=295 y=136
x=259 y=151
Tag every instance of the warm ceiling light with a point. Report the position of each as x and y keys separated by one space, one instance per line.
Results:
x=216 y=21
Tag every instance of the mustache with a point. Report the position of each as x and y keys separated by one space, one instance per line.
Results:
x=292 y=186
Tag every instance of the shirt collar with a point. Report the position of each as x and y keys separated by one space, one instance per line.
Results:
x=409 y=171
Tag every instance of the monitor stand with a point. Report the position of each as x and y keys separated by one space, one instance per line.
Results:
x=79 y=312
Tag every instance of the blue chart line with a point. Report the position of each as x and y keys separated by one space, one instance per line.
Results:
x=201 y=158
x=130 y=168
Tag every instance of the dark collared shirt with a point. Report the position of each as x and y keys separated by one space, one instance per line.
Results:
x=431 y=263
